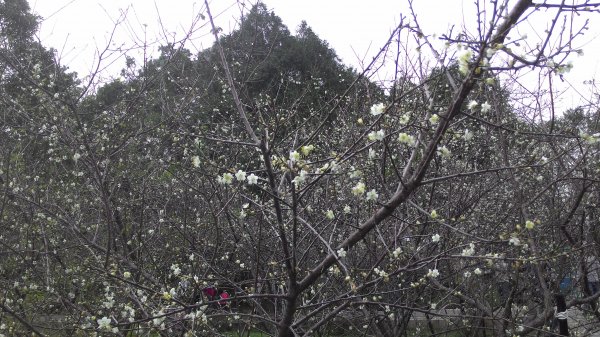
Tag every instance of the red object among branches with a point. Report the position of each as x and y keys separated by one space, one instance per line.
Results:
x=224 y=297
x=210 y=292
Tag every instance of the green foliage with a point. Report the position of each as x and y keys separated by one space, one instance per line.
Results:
x=17 y=24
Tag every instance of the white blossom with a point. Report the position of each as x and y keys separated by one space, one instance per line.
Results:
x=225 y=179
x=514 y=241
x=377 y=109
x=252 y=179
x=175 y=269
x=196 y=161
x=485 y=107
x=529 y=224
x=444 y=152
x=300 y=178
x=468 y=135
x=433 y=273
x=376 y=135
x=407 y=139
x=294 y=156
x=372 y=154
x=307 y=149
x=240 y=175
x=469 y=251
x=403 y=120
x=434 y=119
x=372 y=195
x=359 y=188
x=463 y=61
x=104 y=323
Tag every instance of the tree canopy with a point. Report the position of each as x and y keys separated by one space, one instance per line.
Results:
x=262 y=185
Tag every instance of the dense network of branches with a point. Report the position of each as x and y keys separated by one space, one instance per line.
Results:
x=262 y=185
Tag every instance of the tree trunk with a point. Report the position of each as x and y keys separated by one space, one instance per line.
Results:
x=561 y=307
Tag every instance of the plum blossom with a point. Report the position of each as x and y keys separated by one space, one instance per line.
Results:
x=252 y=179
x=300 y=178
x=407 y=139
x=381 y=273
x=433 y=273
x=469 y=251
x=444 y=152
x=468 y=135
x=396 y=253
x=372 y=154
x=376 y=135
x=472 y=105
x=590 y=139
x=240 y=175
x=341 y=252
x=435 y=237
x=354 y=172
x=225 y=179
x=434 y=119
x=159 y=320
x=167 y=296
x=565 y=68
x=196 y=161
x=104 y=323
x=109 y=303
x=329 y=214
x=485 y=107
x=403 y=120
x=463 y=61
x=377 y=109
x=529 y=224
x=294 y=156
x=372 y=195
x=359 y=188
x=307 y=149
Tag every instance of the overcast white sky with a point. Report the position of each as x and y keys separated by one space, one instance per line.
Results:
x=354 y=28
x=76 y=27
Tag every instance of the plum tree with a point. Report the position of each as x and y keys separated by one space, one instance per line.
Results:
x=260 y=184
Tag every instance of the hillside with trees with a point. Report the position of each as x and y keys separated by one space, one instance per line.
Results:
x=262 y=186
